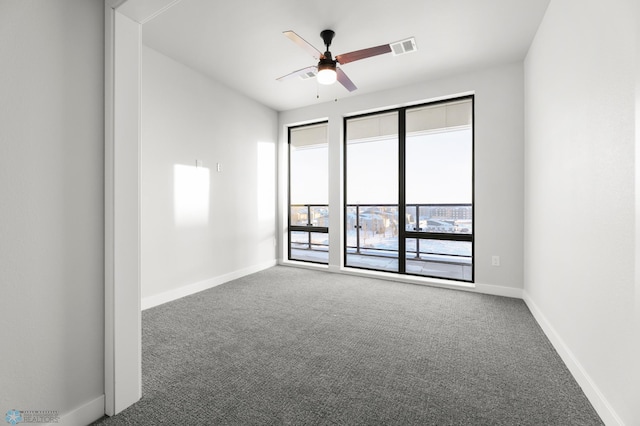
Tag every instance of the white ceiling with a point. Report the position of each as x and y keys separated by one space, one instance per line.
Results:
x=240 y=42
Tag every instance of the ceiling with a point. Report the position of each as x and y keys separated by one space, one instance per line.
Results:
x=240 y=42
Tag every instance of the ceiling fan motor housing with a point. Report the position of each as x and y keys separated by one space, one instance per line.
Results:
x=327 y=63
x=327 y=37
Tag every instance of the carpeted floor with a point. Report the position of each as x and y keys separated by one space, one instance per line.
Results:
x=300 y=347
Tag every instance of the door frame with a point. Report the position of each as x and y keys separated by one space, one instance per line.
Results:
x=123 y=44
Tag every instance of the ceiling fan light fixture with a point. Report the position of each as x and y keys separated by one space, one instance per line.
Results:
x=326 y=73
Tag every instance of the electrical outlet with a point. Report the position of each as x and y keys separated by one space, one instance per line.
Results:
x=495 y=260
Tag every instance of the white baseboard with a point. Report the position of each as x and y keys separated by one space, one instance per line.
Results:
x=83 y=415
x=168 y=296
x=304 y=265
x=495 y=290
x=334 y=268
x=597 y=399
x=498 y=290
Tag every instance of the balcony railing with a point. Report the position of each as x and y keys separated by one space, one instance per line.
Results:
x=437 y=237
x=309 y=233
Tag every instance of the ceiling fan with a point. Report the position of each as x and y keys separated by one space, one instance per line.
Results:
x=327 y=71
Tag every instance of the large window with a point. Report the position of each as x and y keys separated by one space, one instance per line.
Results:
x=409 y=190
x=371 y=216
x=309 y=193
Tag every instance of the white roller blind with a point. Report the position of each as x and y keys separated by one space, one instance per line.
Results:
x=373 y=127
x=439 y=117
x=309 y=136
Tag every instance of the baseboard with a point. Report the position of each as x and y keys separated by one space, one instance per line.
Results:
x=495 y=290
x=168 y=296
x=334 y=269
x=83 y=415
x=498 y=290
x=597 y=399
x=304 y=265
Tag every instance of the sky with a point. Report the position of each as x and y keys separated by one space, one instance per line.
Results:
x=438 y=171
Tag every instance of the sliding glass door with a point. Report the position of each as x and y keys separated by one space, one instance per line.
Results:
x=409 y=190
x=309 y=193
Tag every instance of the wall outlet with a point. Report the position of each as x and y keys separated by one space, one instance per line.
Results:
x=219 y=167
x=495 y=260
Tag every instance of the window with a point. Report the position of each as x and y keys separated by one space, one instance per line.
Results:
x=371 y=189
x=409 y=190
x=309 y=193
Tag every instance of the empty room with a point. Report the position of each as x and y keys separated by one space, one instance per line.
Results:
x=293 y=212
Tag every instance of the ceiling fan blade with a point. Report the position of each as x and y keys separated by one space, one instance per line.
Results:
x=363 y=53
x=303 y=71
x=304 y=44
x=344 y=80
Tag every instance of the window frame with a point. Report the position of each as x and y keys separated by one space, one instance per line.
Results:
x=299 y=228
x=403 y=234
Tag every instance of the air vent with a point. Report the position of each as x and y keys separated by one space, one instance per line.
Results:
x=404 y=46
x=307 y=75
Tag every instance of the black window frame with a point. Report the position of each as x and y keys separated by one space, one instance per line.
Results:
x=309 y=228
x=403 y=234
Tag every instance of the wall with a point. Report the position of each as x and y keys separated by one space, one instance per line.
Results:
x=498 y=163
x=580 y=81
x=189 y=243
x=51 y=215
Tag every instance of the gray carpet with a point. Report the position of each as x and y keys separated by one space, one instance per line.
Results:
x=300 y=347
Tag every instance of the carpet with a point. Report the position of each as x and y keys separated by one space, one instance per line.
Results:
x=290 y=346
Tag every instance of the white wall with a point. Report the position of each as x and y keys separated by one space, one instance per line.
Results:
x=185 y=239
x=51 y=214
x=498 y=163
x=580 y=82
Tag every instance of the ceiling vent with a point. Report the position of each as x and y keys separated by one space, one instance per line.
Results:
x=404 y=46
x=309 y=74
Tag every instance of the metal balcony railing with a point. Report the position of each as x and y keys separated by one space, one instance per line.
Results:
x=433 y=232
x=309 y=232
